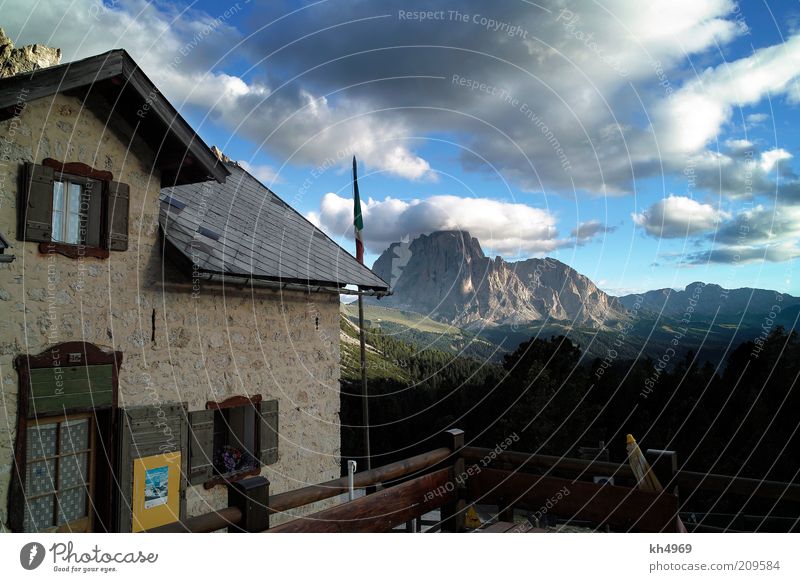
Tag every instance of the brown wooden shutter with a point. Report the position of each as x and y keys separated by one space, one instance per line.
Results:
x=118 y=209
x=36 y=206
x=268 y=431
x=146 y=431
x=201 y=446
x=94 y=214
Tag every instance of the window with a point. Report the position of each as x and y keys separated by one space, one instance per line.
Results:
x=232 y=439
x=71 y=199
x=69 y=205
x=235 y=444
x=67 y=397
x=57 y=474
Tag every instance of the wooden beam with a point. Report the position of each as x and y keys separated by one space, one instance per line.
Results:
x=380 y=511
x=575 y=467
x=690 y=481
x=621 y=507
x=453 y=514
x=313 y=493
x=205 y=523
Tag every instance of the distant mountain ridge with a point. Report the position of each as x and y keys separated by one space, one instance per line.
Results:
x=446 y=276
x=707 y=301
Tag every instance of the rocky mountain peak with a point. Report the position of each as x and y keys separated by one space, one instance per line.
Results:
x=27 y=58
x=447 y=276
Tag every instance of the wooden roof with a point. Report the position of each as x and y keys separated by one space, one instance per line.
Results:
x=180 y=155
x=242 y=228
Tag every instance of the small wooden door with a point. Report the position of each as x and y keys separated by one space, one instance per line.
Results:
x=60 y=474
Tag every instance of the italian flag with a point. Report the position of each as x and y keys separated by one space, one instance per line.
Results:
x=358 y=221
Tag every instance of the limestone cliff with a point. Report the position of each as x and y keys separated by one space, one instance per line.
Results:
x=447 y=276
x=27 y=58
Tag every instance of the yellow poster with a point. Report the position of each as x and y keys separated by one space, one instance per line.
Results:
x=156 y=490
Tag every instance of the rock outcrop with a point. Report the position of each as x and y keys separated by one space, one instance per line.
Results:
x=447 y=276
x=27 y=58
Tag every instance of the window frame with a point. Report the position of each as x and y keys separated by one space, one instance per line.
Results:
x=83 y=216
x=82 y=524
x=252 y=403
x=111 y=209
x=67 y=354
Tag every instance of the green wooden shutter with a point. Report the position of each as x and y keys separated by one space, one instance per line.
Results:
x=117 y=216
x=201 y=446
x=146 y=431
x=94 y=214
x=54 y=390
x=36 y=206
x=268 y=432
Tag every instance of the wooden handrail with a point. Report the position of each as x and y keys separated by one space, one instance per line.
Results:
x=549 y=462
x=215 y=520
x=695 y=481
x=328 y=489
x=381 y=511
x=205 y=523
x=689 y=480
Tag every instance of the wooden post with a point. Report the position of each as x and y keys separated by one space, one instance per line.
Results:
x=251 y=497
x=453 y=514
x=665 y=465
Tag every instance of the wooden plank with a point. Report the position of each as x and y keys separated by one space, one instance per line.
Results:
x=387 y=473
x=57 y=389
x=72 y=380
x=205 y=523
x=498 y=527
x=621 y=507
x=575 y=467
x=692 y=481
x=381 y=511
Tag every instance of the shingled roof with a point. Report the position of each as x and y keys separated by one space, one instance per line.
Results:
x=241 y=228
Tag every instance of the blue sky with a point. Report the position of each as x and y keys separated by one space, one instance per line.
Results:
x=647 y=145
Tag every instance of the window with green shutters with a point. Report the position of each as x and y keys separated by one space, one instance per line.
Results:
x=66 y=402
x=232 y=439
x=83 y=207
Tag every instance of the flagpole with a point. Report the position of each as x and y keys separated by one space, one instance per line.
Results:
x=364 y=396
x=358 y=224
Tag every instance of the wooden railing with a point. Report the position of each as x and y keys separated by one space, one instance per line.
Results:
x=233 y=516
x=453 y=476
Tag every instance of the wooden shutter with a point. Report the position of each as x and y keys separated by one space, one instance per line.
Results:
x=146 y=431
x=36 y=206
x=268 y=432
x=94 y=214
x=201 y=446
x=117 y=216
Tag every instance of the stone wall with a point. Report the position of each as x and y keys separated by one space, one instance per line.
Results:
x=208 y=345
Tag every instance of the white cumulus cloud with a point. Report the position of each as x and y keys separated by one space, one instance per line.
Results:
x=506 y=228
x=679 y=216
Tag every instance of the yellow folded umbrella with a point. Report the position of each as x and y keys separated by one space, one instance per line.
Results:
x=646 y=479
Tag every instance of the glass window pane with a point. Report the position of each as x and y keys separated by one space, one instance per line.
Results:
x=74 y=471
x=39 y=514
x=41 y=441
x=74 y=435
x=58 y=226
x=71 y=505
x=39 y=477
x=58 y=196
x=75 y=191
x=73 y=229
